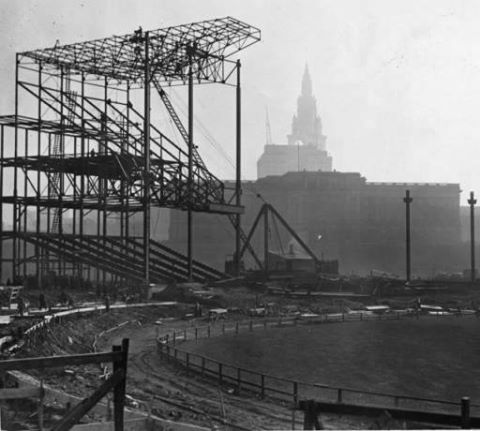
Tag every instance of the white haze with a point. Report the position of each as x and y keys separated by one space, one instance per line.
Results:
x=397 y=82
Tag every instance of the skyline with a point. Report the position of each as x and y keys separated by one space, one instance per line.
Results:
x=395 y=83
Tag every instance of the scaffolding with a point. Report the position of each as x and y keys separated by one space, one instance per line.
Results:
x=80 y=158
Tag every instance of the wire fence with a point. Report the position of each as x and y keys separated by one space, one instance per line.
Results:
x=287 y=391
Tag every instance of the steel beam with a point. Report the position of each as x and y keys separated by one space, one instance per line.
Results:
x=190 y=166
x=472 y=201
x=408 y=200
x=146 y=167
x=238 y=173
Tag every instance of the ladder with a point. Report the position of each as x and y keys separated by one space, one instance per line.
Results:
x=57 y=150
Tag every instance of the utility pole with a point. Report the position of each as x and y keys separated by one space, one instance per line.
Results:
x=408 y=200
x=472 y=201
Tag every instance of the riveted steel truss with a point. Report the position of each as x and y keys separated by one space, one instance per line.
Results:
x=81 y=156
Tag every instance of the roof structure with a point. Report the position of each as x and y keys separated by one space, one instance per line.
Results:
x=205 y=45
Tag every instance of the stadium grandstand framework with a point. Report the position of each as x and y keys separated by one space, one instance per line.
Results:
x=81 y=144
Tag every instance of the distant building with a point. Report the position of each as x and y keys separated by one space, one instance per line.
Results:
x=306 y=149
x=340 y=215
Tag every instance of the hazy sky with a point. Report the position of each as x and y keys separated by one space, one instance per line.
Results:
x=397 y=82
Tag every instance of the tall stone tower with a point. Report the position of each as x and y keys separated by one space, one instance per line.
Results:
x=305 y=150
x=306 y=124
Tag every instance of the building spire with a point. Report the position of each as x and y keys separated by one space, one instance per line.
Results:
x=268 y=130
x=306 y=82
x=306 y=124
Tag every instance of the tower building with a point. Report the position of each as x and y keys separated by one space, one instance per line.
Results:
x=306 y=124
x=306 y=149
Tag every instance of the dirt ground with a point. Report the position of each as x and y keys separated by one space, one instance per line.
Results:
x=164 y=390
x=203 y=402
x=160 y=388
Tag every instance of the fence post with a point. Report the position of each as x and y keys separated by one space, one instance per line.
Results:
x=339 y=396
x=262 y=383
x=119 y=389
x=40 y=407
x=208 y=331
x=343 y=316
x=185 y=334
x=196 y=334
x=168 y=353
x=465 y=403
x=187 y=362
x=236 y=328
x=295 y=403
x=220 y=373
x=239 y=380
x=361 y=316
x=174 y=338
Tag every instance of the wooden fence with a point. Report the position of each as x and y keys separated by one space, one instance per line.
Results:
x=289 y=391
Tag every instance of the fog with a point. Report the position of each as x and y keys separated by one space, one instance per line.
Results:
x=397 y=82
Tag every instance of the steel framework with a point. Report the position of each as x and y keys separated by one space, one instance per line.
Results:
x=81 y=151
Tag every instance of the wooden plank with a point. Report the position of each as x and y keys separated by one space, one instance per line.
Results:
x=59 y=361
x=225 y=209
x=396 y=413
x=19 y=393
x=74 y=415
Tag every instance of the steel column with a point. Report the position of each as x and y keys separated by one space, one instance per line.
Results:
x=238 y=182
x=39 y=151
x=104 y=180
x=408 y=200
x=190 y=166
x=25 y=192
x=472 y=201
x=82 y=155
x=15 y=177
x=146 y=155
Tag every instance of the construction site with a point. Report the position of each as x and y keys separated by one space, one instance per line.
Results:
x=102 y=327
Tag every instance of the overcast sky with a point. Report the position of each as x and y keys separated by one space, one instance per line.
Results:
x=397 y=82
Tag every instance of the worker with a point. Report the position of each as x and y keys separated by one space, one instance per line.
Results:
x=21 y=306
x=107 y=303
x=41 y=301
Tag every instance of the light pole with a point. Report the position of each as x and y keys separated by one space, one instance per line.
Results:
x=472 y=201
x=408 y=200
